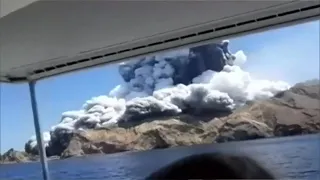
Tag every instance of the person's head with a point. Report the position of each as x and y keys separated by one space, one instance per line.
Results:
x=212 y=166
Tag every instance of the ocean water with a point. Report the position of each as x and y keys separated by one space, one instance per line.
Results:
x=289 y=158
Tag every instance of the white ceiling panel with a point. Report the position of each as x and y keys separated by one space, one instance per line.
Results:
x=50 y=37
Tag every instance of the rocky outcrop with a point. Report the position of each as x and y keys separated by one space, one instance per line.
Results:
x=296 y=111
x=13 y=156
x=292 y=112
x=150 y=135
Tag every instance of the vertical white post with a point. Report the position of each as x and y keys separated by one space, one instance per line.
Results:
x=40 y=143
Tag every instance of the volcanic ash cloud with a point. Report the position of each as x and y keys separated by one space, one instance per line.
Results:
x=199 y=79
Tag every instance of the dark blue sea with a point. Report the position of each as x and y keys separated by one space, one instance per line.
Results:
x=289 y=158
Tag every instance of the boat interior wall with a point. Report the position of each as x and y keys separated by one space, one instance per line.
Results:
x=9 y=6
x=48 y=38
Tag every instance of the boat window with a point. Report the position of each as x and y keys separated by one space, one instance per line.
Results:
x=256 y=95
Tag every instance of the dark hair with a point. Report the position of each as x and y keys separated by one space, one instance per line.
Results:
x=212 y=166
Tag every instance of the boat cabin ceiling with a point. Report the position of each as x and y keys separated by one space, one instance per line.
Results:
x=44 y=38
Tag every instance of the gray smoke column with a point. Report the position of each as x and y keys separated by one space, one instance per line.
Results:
x=152 y=73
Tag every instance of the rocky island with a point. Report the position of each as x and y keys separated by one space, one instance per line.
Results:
x=291 y=112
x=196 y=97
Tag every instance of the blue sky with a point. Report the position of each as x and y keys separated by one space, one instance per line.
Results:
x=290 y=54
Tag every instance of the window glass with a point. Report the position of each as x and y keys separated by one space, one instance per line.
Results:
x=256 y=87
